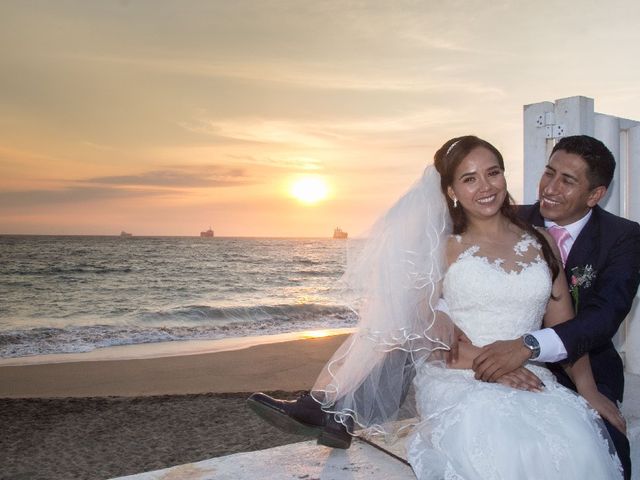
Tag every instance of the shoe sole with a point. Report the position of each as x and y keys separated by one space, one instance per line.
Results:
x=282 y=421
x=334 y=440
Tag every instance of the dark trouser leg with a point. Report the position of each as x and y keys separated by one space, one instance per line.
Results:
x=621 y=443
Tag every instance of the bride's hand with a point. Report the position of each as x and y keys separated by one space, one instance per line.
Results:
x=606 y=408
x=522 y=379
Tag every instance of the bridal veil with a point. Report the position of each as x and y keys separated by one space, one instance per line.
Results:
x=392 y=282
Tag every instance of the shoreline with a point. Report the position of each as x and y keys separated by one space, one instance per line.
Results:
x=171 y=348
x=287 y=362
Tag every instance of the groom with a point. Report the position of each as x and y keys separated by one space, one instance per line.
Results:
x=601 y=256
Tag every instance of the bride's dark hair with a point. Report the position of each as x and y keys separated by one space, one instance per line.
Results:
x=447 y=159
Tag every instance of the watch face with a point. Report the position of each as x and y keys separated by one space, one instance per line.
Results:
x=531 y=341
x=532 y=344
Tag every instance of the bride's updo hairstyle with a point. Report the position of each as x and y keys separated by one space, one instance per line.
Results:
x=447 y=159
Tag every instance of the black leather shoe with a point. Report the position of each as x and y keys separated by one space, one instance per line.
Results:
x=335 y=434
x=302 y=416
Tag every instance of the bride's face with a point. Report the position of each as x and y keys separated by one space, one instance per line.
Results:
x=479 y=184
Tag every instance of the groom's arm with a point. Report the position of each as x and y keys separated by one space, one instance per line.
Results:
x=596 y=324
x=609 y=303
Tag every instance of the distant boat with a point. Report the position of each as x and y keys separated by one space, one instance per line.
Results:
x=207 y=234
x=125 y=234
x=339 y=234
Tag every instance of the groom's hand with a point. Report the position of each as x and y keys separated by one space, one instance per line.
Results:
x=606 y=408
x=499 y=358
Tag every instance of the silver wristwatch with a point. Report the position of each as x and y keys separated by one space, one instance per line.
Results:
x=532 y=344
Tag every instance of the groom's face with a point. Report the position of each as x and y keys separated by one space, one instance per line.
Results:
x=565 y=192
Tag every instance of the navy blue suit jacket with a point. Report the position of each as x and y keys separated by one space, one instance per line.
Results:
x=611 y=245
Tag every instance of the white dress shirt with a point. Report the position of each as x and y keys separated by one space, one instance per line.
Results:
x=551 y=347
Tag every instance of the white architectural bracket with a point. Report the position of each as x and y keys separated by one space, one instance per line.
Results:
x=554 y=131
x=547 y=121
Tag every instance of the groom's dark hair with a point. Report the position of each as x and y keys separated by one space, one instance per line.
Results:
x=599 y=159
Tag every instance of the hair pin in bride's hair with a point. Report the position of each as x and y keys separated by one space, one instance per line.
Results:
x=451 y=147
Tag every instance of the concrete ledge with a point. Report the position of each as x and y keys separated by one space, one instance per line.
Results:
x=298 y=461
x=309 y=461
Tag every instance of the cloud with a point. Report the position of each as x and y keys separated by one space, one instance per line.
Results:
x=168 y=182
x=265 y=131
x=179 y=178
x=75 y=194
x=381 y=129
x=313 y=75
x=294 y=163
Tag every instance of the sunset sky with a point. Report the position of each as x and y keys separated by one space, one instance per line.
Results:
x=167 y=117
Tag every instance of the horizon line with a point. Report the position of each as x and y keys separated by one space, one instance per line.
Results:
x=117 y=235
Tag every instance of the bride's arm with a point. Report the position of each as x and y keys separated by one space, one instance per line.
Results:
x=582 y=376
x=467 y=351
x=560 y=309
x=463 y=351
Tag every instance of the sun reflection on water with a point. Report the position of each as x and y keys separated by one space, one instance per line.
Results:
x=316 y=334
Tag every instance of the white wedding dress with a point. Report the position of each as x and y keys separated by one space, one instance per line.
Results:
x=475 y=430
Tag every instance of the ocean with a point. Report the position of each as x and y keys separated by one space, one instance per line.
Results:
x=63 y=294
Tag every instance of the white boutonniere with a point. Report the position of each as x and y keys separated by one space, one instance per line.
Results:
x=581 y=277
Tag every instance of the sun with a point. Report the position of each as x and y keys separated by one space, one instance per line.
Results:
x=310 y=189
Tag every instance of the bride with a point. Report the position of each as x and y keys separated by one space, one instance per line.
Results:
x=499 y=279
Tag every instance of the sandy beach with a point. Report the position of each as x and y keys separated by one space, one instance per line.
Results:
x=97 y=419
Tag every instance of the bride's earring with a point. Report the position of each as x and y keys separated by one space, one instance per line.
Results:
x=455 y=202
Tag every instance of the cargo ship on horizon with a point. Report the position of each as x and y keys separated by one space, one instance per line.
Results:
x=207 y=233
x=339 y=234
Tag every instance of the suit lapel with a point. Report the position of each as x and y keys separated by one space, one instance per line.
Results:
x=534 y=216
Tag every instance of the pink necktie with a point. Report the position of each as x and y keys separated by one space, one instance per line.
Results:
x=562 y=237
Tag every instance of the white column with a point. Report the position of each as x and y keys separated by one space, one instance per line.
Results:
x=632 y=342
x=607 y=129
x=576 y=115
x=536 y=147
x=633 y=174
